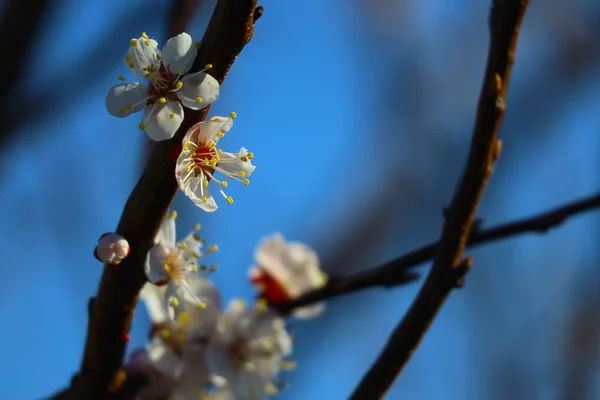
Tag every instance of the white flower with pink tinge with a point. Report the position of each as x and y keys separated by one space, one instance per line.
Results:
x=173 y=264
x=200 y=160
x=173 y=360
x=285 y=271
x=168 y=89
x=247 y=349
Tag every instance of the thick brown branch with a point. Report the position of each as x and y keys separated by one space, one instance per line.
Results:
x=101 y=375
x=397 y=271
x=448 y=266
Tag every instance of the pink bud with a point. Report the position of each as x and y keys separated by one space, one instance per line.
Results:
x=112 y=248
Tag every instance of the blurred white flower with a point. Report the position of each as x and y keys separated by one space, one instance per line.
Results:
x=175 y=264
x=285 y=271
x=167 y=91
x=247 y=349
x=200 y=160
x=174 y=356
x=112 y=248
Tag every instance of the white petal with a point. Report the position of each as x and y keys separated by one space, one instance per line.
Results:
x=196 y=191
x=198 y=90
x=166 y=234
x=206 y=131
x=164 y=358
x=157 y=257
x=271 y=257
x=163 y=120
x=309 y=312
x=179 y=53
x=127 y=98
x=232 y=163
x=190 y=249
x=223 y=393
x=144 y=55
x=203 y=320
x=153 y=297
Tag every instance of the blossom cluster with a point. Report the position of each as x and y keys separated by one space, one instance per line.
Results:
x=196 y=349
x=163 y=89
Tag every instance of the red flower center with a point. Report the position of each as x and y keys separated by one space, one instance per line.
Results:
x=270 y=289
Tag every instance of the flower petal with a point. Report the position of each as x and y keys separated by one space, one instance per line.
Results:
x=166 y=234
x=164 y=358
x=157 y=258
x=198 y=90
x=144 y=55
x=190 y=247
x=153 y=297
x=206 y=131
x=195 y=374
x=127 y=98
x=233 y=164
x=179 y=53
x=200 y=194
x=162 y=120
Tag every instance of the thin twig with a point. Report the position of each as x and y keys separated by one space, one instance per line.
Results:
x=398 y=272
x=448 y=266
x=101 y=375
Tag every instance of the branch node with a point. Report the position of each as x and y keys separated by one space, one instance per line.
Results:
x=258 y=12
x=457 y=274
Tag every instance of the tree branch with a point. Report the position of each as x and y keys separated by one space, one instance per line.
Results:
x=101 y=375
x=398 y=272
x=449 y=267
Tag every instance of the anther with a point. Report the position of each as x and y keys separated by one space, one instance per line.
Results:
x=172 y=115
x=213 y=248
x=162 y=100
x=229 y=200
x=208 y=66
x=224 y=183
x=199 y=99
x=133 y=42
x=178 y=85
x=246 y=182
x=173 y=214
x=232 y=115
x=144 y=35
x=242 y=174
x=142 y=126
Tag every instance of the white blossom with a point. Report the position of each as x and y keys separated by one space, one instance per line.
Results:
x=167 y=89
x=175 y=264
x=285 y=271
x=247 y=349
x=174 y=357
x=112 y=248
x=200 y=160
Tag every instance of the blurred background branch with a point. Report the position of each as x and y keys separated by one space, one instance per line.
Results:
x=448 y=267
x=397 y=271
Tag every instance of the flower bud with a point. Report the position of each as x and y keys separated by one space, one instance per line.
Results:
x=112 y=248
